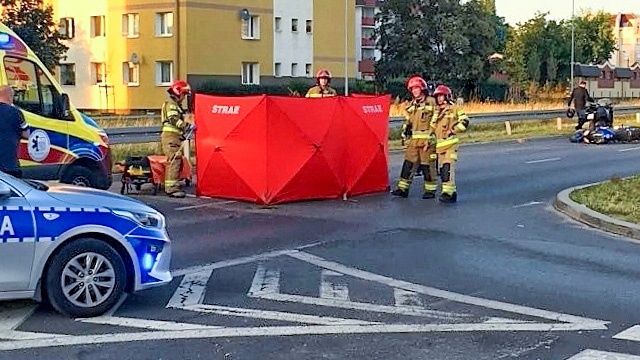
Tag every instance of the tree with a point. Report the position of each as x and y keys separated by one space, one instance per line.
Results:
x=594 y=40
x=34 y=23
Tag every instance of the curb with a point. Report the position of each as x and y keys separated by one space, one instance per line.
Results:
x=580 y=212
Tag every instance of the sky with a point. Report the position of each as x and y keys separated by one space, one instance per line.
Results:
x=515 y=11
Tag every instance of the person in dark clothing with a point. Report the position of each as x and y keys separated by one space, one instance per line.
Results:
x=13 y=127
x=579 y=97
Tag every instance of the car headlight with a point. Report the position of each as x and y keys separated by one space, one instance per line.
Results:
x=153 y=220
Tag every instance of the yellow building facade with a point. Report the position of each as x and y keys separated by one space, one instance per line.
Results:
x=146 y=44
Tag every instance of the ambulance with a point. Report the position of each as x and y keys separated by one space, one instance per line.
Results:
x=64 y=144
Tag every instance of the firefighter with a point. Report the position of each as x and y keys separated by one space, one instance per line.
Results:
x=419 y=154
x=322 y=88
x=447 y=122
x=175 y=125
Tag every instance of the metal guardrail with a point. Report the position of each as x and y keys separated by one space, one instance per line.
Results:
x=135 y=135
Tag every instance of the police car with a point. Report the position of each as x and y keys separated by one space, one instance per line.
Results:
x=78 y=248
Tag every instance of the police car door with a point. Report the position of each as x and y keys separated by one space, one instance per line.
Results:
x=17 y=240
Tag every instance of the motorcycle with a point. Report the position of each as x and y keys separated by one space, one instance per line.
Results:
x=599 y=113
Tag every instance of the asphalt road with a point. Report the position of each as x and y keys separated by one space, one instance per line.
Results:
x=499 y=275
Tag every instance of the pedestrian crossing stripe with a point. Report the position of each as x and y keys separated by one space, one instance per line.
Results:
x=590 y=354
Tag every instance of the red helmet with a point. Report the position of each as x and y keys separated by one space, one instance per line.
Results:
x=416 y=81
x=323 y=73
x=443 y=90
x=179 y=88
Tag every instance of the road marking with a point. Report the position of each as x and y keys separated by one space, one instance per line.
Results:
x=630 y=149
x=191 y=207
x=632 y=333
x=191 y=290
x=353 y=305
x=588 y=324
x=144 y=324
x=329 y=289
x=407 y=298
x=13 y=314
x=24 y=335
x=233 y=262
x=276 y=315
x=531 y=203
x=265 y=281
x=602 y=355
x=283 y=331
x=542 y=160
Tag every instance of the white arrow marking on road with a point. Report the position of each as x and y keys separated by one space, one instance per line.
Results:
x=632 y=333
x=532 y=203
x=282 y=331
x=265 y=281
x=542 y=160
x=228 y=263
x=329 y=289
x=191 y=290
x=12 y=314
x=144 y=323
x=407 y=298
x=588 y=324
x=276 y=315
x=602 y=355
x=629 y=149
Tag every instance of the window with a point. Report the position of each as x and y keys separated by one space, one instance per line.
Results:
x=250 y=73
x=34 y=91
x=307 y=70
x=68 y=74
x=309 y=26
x=130 y=73
x=97 y=26
x=164 y=73
x=164 y=24
x=277 y=69
x=294 y=69
x=98 y=73
x=294 y=25
x=278 y=24
x=131 y=25
x=251 y=28
x=66 y=28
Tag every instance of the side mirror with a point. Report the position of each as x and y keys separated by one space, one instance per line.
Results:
x=63 y=107
x=5 y=191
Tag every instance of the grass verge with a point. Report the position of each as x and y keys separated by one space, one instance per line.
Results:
x=618 y=198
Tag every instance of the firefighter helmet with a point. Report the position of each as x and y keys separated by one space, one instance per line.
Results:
x=443 y=90
x=323 y=73
x=416 y=81
x=179 y=88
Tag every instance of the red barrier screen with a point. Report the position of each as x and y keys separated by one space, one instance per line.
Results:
x=270 y=150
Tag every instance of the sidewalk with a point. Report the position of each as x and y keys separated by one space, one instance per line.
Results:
x=592 y=218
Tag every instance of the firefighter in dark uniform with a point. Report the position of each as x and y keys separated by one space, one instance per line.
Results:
x=420 y=149
x=322 y=88
x=447 y=122
x=175 y=125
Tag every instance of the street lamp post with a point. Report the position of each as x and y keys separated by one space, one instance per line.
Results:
x=573 y=3
x=346 y=47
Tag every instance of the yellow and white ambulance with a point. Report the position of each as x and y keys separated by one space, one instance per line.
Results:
x=64 y=143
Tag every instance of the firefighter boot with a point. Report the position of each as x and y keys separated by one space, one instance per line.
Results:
x=430 y=184
x=401 y=193
x=406 y=176
x=446 y=198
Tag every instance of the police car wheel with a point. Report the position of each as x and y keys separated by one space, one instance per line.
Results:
x=80 y=176
x=85 y=278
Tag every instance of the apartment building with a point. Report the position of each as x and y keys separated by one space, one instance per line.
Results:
x=124 y=53
x=366 y=52
x=626 y=30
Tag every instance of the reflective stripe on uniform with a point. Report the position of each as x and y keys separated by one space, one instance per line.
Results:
x=171 y=128
x=433 y=156
x=170 y=183
x=454 y=156
x=448 y=189
x=430 y=186
x=460 y=128
x=404 y=184
x=447 y=143
x=420 y=135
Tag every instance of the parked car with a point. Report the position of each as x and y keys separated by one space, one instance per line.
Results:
x=78 y=248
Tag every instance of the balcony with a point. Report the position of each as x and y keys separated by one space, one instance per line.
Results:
x=368 y=21
x=366 y=66
x=368 y=3
x=368 y=42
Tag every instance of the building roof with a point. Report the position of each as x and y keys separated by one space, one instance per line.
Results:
x=586 y=70
x=622 y=73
